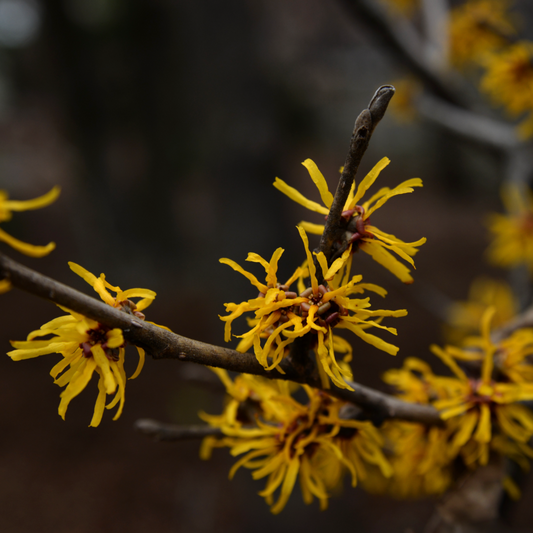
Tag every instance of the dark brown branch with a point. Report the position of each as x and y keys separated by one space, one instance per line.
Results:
x=171 y=432
x=364 y=126
x=163 y=344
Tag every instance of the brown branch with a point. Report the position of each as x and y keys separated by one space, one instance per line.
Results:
x=163 y=344
x=364 y=126
x=171 y=432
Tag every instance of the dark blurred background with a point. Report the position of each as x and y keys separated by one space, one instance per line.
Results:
x=165 y=123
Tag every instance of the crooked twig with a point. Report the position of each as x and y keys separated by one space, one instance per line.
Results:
x=364 y=126
x=163 y=344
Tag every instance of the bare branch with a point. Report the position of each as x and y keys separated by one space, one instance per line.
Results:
x=435 y=15
x=163 y=344
x=171 y=432
x=467 y=124
x=364 y=126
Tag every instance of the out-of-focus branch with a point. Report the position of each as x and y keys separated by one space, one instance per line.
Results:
x=171 y=432
x=404 y=42
x=524 y=320
x=435 y=14
x=364 y=126
x=163 y=344
x=467 y=124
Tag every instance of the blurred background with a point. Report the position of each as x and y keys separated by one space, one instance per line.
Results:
x=165 y=123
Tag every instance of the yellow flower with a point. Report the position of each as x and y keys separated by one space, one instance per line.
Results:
x=419 y=459
x=286 y=440
x=402 y=105
x=88 y=347
x=512 y=234
x=420 y=456
x=476 y=408
x=509 y=77
x=414 y=382
x=464 y=317
x=281 y=316
x=6 y=209
x=478 y=27
x=363 y=235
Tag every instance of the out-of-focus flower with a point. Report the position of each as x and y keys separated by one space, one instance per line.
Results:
x=508 y=80
x=363 y=235
x=282 y=316
x=478 y=408
x=512 y=234
x=477 y=28
x=285 y=440
x=402 y=105
x=464 y=317
x=88 y=347
x=6 y=212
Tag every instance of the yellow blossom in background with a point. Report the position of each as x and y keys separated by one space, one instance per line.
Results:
x=508 y=80
x=88 y=347
x=476 y=409
x=477 y=28
x=420 y=461
x=282 y=316
x=6 y=212
x=464 y=317
x=402 y=105
x=286 y=440
x=512 y=234
x=364 y=236
x=5 y=285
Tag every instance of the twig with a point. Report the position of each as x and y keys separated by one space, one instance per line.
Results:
x=364 y=126
x=467 y=124
x=172 y=432
x=163 y=344
x=435 y=15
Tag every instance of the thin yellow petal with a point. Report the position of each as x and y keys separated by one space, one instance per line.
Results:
x=367 y=181
x=36 y=203
x=320 y=182
x=141 y=363
x=250 y=277
x=100 y=403
x=299 y=198
x=25 y=248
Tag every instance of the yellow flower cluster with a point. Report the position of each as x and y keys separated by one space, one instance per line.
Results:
x=284 y=440
x=88 y=347
x=478 y=27
x=482 y=34
x=482 y=412
x=282 y=316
